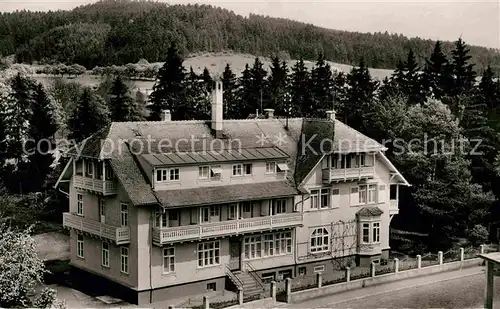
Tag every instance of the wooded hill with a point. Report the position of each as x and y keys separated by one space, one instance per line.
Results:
x=119 y=32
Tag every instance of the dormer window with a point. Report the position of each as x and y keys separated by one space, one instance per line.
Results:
x=282 y=167
x=209 y=172
x=274 y=167
x=167 y=174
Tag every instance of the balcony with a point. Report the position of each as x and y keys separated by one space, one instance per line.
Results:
x=223 y=228
x=393 y=207
x=104 y=187
x=344 y=174
x=119 y=235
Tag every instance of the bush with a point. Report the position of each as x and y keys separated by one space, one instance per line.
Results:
x=478 y=235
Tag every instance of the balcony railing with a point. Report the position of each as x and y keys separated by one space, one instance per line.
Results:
x=393 y=207
x=192 y=232
x=119 y=235
x=105 y=187
x=342 y=174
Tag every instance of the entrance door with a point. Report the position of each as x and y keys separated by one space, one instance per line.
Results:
x=234 y=253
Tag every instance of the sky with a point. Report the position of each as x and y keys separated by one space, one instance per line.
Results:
x=477 y=22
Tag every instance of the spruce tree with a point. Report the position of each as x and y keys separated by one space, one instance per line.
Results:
x=196 y=104
x=89 y=116
x=360 y=96
x=229 y=88
x=259 y=84
x=169 y=87
x=436 y=73
x=462 y=70
x=122 y=106
x=413 y=84
x=207 y=79
x=321 y=86
x=278 y=86
x=488 y=90
x=301 y=90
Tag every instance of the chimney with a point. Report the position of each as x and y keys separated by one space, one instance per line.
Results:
x=166 y=116
x=269 y=113
x=217 y=107
x=330 y=115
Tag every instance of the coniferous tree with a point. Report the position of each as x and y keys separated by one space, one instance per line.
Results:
x=339 y=90
x=301 y=90
x=122 y=106
x=244 y=106
x=207 y=79
x=463 y=75
x=488 y=90
x=89 y=116
x=360 y=95
x=436 y=73
x=196 y=104
x=321 y=86
x=259 y=84
x=278 y=86
x=229 y=88
x=169 y=87
x=413 y=84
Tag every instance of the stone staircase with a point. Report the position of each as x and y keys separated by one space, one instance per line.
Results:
x=251 y=285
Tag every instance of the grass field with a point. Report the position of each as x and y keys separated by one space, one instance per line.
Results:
x=215 y=63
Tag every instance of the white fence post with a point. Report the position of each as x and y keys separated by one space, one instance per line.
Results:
x=206 y=302
x=273 y=290
x=396 y=265
x=440 y=257
x=462 y=254
x=240 y=296
x=419 y=261
x=288 y=290
x=481 y=248
x=347 y=274
x=319 y=280
x=372 y=269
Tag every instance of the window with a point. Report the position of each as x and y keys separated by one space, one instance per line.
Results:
x=268 y=245
x=320 y=240
x=171 y=174
x=376 y=232
x=168 y=260
x=247 y=207
x=208 y=212
x=109 y=172
x=366 y=233
x=270 y=167
x=283 y=274
x=237 y=170
x=90 y=168
x=204 y=172
x=335 y=197
x=173 y=215
x=102 y=207
x=278 y=206
x=360 y=160
x=231 y=211
x=302 y=271
x=346 y=161
x=362 y=194
x=79 y=204
x=282 y=168
x=314 y=199
x=124 y=214
x=319 y=269
x=105 y=254
x=209 y=253
x=247 y=169
x=79 y=245
x=325 y=198
x=268 y=277
x=372 y=194
x=211 y=287
x=124 y=260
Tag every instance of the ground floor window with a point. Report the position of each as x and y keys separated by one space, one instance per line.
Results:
x=124 y=260
x=209 y=253
x=267 y=245
x=79 y=245
x=105 y=254
x=211 y=287
x=168 y=260
x=370 y=232
x=320 y=240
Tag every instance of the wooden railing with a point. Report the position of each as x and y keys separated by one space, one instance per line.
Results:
x=163 y=235
x=119 y=235
x=332 y=174
x=393 y=207
x=105 y=187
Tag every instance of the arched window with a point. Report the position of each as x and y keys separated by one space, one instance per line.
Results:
x=320 y=240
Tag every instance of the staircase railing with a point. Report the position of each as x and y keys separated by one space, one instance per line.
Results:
x=254 y=274
x=234 y=278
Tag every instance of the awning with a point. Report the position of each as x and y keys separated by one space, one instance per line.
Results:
x=283 y=166
x=216 y=170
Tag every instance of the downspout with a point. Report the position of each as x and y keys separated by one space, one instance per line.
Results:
x=150 y=257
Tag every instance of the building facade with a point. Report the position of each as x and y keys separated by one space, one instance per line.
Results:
x=176 y=208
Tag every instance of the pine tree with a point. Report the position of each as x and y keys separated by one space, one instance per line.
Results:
x=278 y=86
x=360 y=95
x=169 y=87
x=88 y=116
x=321 y=86
x=301 y=90
x=245 y=104
x=121 y=105
x=196 y=104
x=259 y=84
x=436 y=73
x=463 y=75
x=207 y=79
x=488 y=89
x=229 y=88
x=413 y=84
